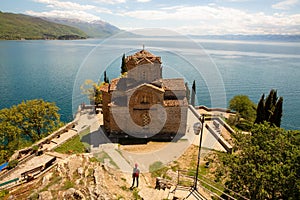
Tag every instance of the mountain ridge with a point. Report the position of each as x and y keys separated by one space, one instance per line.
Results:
x=245 y=37
x=19 y=26
x=94 y=29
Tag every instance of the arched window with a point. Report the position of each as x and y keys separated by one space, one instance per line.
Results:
x=144 y=99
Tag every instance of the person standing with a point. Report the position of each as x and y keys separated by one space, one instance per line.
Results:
x=135 y=175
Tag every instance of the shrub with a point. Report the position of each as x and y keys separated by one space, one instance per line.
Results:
x=12 y=164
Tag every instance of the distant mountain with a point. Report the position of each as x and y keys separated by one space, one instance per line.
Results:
x=270 y=37
x=94 y=29
x=19 y=26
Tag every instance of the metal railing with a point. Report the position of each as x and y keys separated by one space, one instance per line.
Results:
x=186 y=180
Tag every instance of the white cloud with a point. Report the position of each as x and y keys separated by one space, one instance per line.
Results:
x=110 y=1
x=143 y=1
x=82 y=15
x=65 y=5
x=103 y=10
x=284 y=5
x=220 y=20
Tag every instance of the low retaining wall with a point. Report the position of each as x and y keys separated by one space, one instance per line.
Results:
x=195 y=112
x=221 y=140
x=215 y=109
x=5 y=184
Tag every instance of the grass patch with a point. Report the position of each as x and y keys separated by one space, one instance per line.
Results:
x=120 y=197
x=158 y=170
x=54 y=180
x=90 y=172
x=202 y=172
x=34 y=196
x=208 y=185
x=73 y=146
x=125 y=188
x=101 y=156
x=94 y=159
x=175 y=166
x=136 y=195
x=85 y=132
x=3 y=193
x=186 y=182
x=67 y=185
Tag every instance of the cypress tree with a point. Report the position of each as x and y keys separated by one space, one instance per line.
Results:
x=106 y=80
x=260 y=111
x=269 y=110
x=123 y=65
x=269 y=104
x=193 y=94
x=277 y=114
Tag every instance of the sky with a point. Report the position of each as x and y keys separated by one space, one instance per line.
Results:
x=196 y=17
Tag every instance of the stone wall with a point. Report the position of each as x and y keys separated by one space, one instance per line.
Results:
x=145 y=73
x=106 y=98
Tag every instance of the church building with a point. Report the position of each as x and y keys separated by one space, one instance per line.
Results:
x=141 y=104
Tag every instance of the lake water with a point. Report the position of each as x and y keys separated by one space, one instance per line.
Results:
x=54 y=70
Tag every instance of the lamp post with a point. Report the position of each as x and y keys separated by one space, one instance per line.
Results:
x=202 y=119
x=194 y=190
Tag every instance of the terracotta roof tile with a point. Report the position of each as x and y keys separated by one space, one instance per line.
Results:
x=113 y=84
x=173 y=84
x=142 y=57
x=104 y=88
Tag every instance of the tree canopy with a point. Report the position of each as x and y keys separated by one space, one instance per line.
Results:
x=123 y=65
x=265 y=164
x=92 y=90
x=193 y=96
x=106 y=79
x=244 y=106
x=26 y=123
x=269 y=109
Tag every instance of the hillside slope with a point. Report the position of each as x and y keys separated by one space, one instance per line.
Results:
x=19 y=26
x=95 y=29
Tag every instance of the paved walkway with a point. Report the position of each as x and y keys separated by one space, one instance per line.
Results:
x=174 y=150
x=30 y=164
x=125 y=159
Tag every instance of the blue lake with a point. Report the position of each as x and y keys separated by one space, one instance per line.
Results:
x=54 y=70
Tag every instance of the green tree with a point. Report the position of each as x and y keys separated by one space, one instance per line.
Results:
x=98 y=93
x=106 y=80
x=39 y=118
x=277 y=114
x=270 y=110
x=88 y=88
x=265 y=164
x=23 y=124
x=93 y=91
x=260 y=111
x=9 y=132
x=244 y=106
x=123 y=65
x=270 y=104
x=193 y=96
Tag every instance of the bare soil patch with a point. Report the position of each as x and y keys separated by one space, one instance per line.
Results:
x=144 y=148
